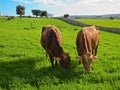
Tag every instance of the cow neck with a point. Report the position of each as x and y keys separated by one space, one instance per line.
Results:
x=61 y=52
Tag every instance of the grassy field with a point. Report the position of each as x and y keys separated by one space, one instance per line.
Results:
x=23 y=65
x=115 y=23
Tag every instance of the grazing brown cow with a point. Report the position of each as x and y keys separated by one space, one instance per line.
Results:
x=51 y=42
x=87 y=43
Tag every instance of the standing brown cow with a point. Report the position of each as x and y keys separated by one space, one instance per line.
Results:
x=51 y=41
x=87 y=43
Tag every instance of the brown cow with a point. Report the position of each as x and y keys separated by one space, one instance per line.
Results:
x=87 y=43
x=52 y=42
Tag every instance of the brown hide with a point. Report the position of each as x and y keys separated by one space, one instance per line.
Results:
x=87 y=43
x=52 y=42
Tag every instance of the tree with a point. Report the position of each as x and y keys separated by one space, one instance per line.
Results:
x=36 y=12
x=66 y=15
x=44 y=13
x=111 y=17
x=20 y=10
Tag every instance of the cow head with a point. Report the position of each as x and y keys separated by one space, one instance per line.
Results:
x=65 y=61
x=87 y=60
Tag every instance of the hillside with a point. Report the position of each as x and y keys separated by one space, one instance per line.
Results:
x=106 y=16
x=24 y=66
x=102 y=22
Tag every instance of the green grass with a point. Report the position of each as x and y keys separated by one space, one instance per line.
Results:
x=23 y=65
x=115 y=23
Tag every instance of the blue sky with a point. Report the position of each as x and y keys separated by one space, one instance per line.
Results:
x=61 y=7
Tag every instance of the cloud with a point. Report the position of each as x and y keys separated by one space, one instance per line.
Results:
x=55 y=2
x=98 y=2
x=76 y=7
x=66 y=2
x=90 y=7
x=50 y=2
x=23 y=1
x=43 y=2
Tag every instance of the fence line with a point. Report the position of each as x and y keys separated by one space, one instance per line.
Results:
x=68 y=20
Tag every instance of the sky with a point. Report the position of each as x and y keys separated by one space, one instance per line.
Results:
x=61 y=7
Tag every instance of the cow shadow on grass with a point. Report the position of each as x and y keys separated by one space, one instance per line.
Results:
x=18 y=74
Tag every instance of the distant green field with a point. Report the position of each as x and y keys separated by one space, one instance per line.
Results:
x=24 y=66
x=102 y=22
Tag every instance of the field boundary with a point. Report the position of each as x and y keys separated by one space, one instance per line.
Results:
x=68 y=20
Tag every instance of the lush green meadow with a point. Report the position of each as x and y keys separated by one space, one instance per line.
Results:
x=115 y=23
x=24 y=66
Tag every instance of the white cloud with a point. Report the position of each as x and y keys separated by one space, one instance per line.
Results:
x=90 y=7
x=67 y=2
x=78 y=7
x=50 y=2
x=45 y=2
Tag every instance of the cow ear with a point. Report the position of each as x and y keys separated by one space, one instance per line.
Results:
x=97 y=28
x=78 y=57
x=91 y=56
x=56 y=58
x=66 y=54
x=95 y=57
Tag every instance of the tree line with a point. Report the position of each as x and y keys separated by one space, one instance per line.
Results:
x=20 y=10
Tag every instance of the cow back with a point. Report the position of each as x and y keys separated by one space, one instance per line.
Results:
x=87 y=39
x=51 y=39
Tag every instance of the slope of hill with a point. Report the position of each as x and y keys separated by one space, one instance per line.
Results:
x=24 y=66
x=115 y=23
x=106 y=16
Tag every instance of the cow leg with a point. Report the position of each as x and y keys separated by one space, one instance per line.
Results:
x=52 y=62
x=49 y=52
x=92 y=67
x=96 y=50
x=95 y=53
x=56 y=63
x=79 y=58
x=80 y=62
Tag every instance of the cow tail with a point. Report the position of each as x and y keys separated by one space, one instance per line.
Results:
x=43 y=29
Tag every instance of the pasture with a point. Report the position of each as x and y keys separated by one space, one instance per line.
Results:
x=24 y=66
x=115 y=23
